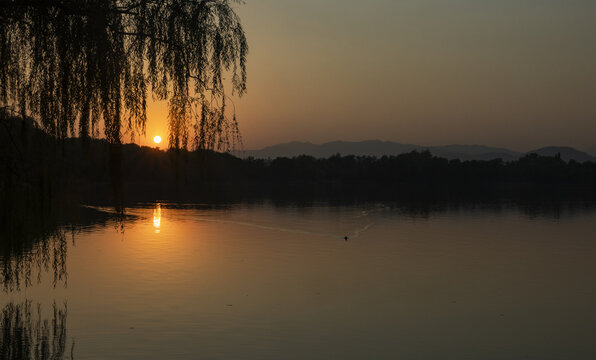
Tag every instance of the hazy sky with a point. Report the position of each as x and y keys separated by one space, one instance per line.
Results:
x=513 y=73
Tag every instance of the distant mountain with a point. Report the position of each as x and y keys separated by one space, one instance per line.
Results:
x=378 y=148
x=295 y=148
x=567 y=153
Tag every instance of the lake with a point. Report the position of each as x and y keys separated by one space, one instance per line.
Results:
x=278 y=281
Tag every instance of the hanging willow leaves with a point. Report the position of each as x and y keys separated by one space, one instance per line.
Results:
x=82 y=66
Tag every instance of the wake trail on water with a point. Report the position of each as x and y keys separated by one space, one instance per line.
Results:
x=351 y=234
x=352 y=225
x=273 y=228
x=358 y=232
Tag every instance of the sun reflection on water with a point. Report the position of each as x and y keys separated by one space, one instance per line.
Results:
x=157 y=218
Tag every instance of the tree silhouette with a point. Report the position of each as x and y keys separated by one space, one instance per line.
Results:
x=78 y=66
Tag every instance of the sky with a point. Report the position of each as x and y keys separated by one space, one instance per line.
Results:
x=519 y=74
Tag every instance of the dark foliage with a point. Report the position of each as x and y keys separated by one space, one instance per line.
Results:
x=419 y=168
x=81 y=66
x=82 y=170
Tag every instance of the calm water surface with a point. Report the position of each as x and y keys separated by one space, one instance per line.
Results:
x=267 y=282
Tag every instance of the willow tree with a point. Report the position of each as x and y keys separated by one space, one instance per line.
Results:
x=82 y=66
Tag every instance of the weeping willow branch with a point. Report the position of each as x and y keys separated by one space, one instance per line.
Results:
x=85 y=66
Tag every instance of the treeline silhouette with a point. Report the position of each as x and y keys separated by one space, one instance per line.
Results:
x=420 y=168
x=39 y=168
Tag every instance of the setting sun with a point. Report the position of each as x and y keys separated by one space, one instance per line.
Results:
x=157 y=139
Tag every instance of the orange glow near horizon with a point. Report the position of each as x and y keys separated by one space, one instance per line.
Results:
x=469 y=87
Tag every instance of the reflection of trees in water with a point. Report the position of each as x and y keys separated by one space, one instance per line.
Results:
x=35 y=243
x=25 y=332
x=23 y=263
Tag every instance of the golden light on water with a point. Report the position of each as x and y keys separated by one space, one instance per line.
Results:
x=157 y=218
x=157 y=139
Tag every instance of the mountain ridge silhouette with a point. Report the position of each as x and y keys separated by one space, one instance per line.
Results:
x=380 y=148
